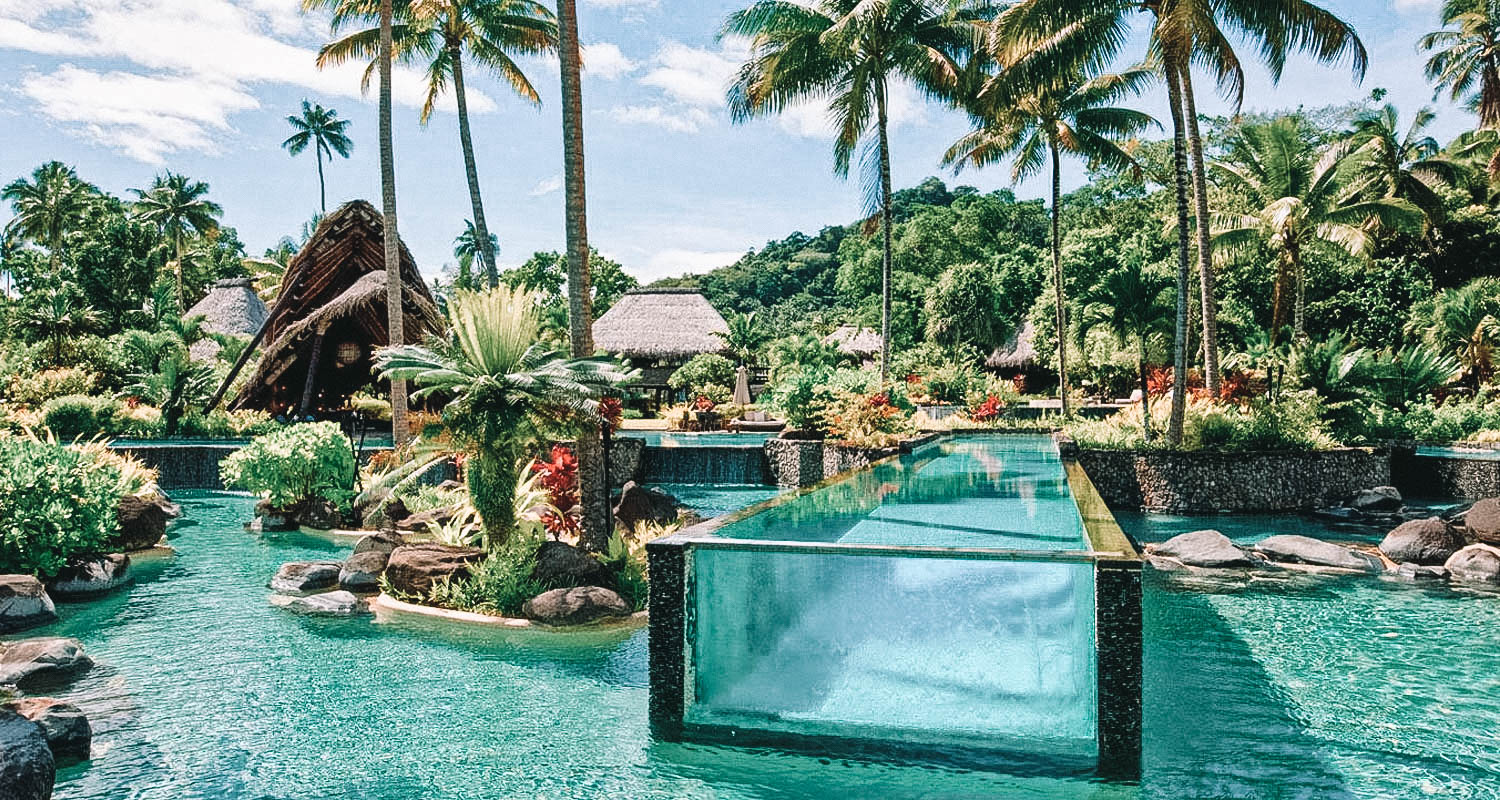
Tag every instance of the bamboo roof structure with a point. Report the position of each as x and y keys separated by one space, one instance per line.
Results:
x=661 y=324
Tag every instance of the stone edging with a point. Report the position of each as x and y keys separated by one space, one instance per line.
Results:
x=384 y=602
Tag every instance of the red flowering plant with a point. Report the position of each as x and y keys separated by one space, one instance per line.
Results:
x=559 y=476
x=704 y=403
x=611 y=413
x=987 y=411
x=874 y=420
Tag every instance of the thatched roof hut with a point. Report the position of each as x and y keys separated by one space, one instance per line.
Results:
x=862 y=343
x=1018 y=354
x=661 y=325
x=330 y=317
x=231 y=308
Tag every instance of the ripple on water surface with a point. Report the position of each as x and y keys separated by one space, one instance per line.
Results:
x=205 y=691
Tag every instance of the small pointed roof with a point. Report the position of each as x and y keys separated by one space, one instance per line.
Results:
x=856 y=341
x=231 y=308
x=1019 y=352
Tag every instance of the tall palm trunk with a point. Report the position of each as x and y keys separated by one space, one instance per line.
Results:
x=1057 y=277
x=593 y=480
x=1145 y=385
x=1209 y=299
x=177 y=274
x=1299 y=306
x=471 y=172
x=885 y=231
x=393 y=283
x=1180 y=185
x=322 y=190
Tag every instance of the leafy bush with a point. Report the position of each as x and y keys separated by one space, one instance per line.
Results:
x=294 y=465
x=79 y=415
x=801 y=398
x=1455 y=420
x=37 y=388
x=1293 y=423
x=55 y=503
x=952 y=382
x=866 y=420
x=221 y=424
x=500 y=584
x=704 y=369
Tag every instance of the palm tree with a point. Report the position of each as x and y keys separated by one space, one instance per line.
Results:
x=438 y=33
x=58 y=314
x=176 y=205
x=1036 y=130
x=52 y=203
x=1396 y=164
x=503 y=390
x=1299 y=203
x=1133 y=303
x=1465 y=322
x=849 y=53
x=1467 y=59
x=745 y=337
x=321 y=128
x=466 y=248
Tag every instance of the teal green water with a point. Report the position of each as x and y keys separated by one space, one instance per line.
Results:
x=687 y=439
x=1313 y=689
x=717 y=499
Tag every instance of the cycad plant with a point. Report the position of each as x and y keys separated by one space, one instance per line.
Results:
x=501 y=389
x=1463 y=322
x=745 y=338
x=1133 y=303
x=57 y=314
x=177 y=384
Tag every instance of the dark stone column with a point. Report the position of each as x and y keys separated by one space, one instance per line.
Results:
x=1117 y=636
x=667 y=562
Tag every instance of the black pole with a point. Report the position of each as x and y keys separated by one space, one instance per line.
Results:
x=609 y=482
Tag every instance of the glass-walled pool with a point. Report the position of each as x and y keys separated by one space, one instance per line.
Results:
x=951 y=603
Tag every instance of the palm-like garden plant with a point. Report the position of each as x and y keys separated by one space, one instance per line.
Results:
x=745 y=337
x=438 y=34
x=1133 y=303
x=177 y=206
x=501 y=389
x=466 y=248
x=178 y=383
x=1466 y=59
x=1397 y=163
x=46 y=207
x=322 y=129
x=1299 y=203
x=1463 y=322
x=850 y=53
x=57 y=313
x=1036 y=131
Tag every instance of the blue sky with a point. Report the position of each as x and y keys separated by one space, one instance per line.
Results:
x=122 y=89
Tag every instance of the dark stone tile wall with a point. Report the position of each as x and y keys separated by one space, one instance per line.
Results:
x=1117 y=636
x=794 y=463
x=184 y=466
x=667 y=564
x=1439 y=477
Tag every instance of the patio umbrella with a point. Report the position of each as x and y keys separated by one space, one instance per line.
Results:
x=742 y=387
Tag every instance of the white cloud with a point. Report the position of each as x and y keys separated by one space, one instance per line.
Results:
x=810 y=118
x=671 y=263
x=546 y=186
x=229 y=46
x=679 y=119
x=1417 y=5
x=605 y=60
x=623 y=3
x=693 y=75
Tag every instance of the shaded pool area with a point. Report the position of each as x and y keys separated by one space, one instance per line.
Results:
x=1315 y=689
x=689 y=439
x=718 y=499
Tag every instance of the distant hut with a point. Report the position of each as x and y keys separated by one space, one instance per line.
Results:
x=1017 y=358
x=862 y=343
x=330 y=317
x=231 y=308
x=658 y=330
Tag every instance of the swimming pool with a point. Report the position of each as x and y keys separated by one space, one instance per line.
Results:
x=686 y=439
x=1319 y=688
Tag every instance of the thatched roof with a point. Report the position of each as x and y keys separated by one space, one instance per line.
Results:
x=856 y=341
x=332 y=301
x=660 y=323
x=231 y=308
x=1019 y=352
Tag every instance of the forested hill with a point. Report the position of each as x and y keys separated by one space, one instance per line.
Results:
x=803 y=282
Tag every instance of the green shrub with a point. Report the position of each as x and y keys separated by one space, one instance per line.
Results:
x=295 y=464
x=55 y=502
x=1293 y=423
x=703 y=369
x=80 y=415
x=221 y=424
x=801 y=398
x=500 y=584
x=37 y=388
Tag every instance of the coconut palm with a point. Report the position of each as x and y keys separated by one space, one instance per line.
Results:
x=1136 y=304
x=57 y=313
x=321 y=128
x=1396 y=163
x=745 y=337
x=437 y=34
x=850 y=53
x=1464 y=322
x=466 y=248
x=1466 y=59
x=1301 y=200
x=177 y=206
x=502 y=389
x=1036 y=131
x=47 y=207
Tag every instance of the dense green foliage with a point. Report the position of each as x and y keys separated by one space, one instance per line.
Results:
x=56 y=502
x=702 y=371
x=294 y=465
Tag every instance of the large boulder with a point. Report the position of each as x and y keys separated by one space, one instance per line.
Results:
x=1478 y=563
x=361 y=572
x=1422 y=541
x=639 y=504
x=142 y=521
x=273 y=519
x=320 y=514
x=336 y=604
x=303 y=577
x=31 y=661
x=1483 y=520
x=1204 y=549
x=63 y=724
x=413 y=568
x=27 y=769
x=379 y=542
x=576 y=606
x=562 y=564
x=1379 y=500
x=437 y=516
x=24 y=603
x=1307 y=550
x=92 y=575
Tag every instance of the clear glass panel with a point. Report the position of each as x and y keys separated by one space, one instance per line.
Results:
x=996 y=655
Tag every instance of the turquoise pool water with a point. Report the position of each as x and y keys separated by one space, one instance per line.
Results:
x=1313 y=689
x=716 y=499
x=682 y=439
x=1471 y=453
